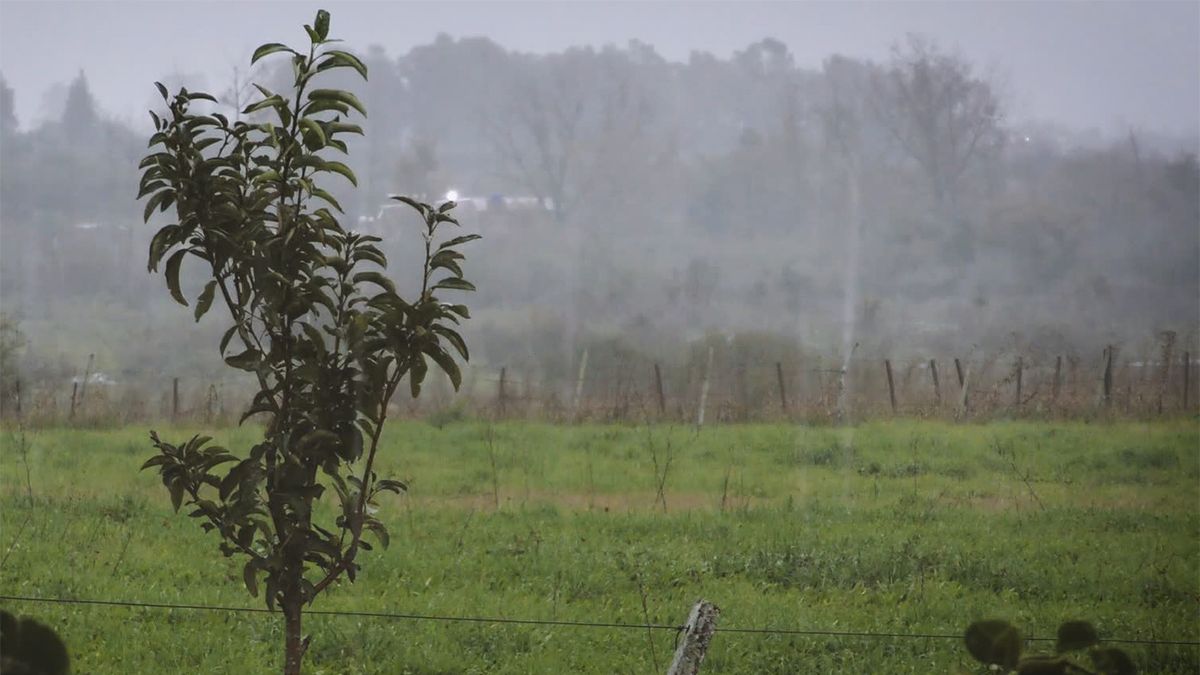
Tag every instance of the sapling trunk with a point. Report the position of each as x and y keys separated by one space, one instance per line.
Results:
x=321 y=326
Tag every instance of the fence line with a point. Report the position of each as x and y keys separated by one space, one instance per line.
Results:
x=740 y=387
x=556 y=622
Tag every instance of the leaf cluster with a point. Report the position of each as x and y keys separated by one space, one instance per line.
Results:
x=30 y=647
x=312 y=313
x=999 y=643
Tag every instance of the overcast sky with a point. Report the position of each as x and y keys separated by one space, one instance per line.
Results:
x=1104 y=65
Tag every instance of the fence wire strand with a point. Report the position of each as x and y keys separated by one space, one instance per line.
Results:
x=558 y=622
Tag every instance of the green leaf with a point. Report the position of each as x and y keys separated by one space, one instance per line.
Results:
x=322 y=194
x=172 y=275
x=376 y=278
x=421 y=207
x=315 y=107
x=176 y=489
x=454 y=283
x=205 y=300
x=343 y=127
x=455 y=339
x=459 y=240
x=339 y=168
x=247 y=360
x=339 y=59
x=251 y=579
x=338 y=96
x=380 y=531
x=162 y=91
x=269 y=102
x=321 y=25
x=994 y=642
x=158 y=200
x=1073 y=635
x=155 y=461
x=226 y=338
x=159 y=246
x=416 y=375
x=447 y=365
x=270 y=48
x=313 y=129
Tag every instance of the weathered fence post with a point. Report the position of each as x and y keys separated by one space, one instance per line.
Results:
x=959 y=369
x=1020 y=371
x=658 y=386
x=1187 y=373
x=500 y=391
x=1057 y=379
x=891 y=384
x=1128 y=387
x=210 y=403
x=18 y=392
x=704 y=389
x=87 y=375
x=963 y=400
x=782 y=391
x=937 y=386
x=740 y=390
x=579 y=379
x=74 y=391
x=1108 y=376
x=697 y=634
x=1168 y=351
x=175 y=399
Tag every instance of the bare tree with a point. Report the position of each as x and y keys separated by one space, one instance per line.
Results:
x=575 y=127
x=942 y=114
x=537 y=138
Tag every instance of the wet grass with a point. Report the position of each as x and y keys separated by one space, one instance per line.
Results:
x=901 y=527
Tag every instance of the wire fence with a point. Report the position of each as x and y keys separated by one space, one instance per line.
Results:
x=716 y=384
x=559 y=622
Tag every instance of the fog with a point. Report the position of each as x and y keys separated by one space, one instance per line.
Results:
x=895 y=180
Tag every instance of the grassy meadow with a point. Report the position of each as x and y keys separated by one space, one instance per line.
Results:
x=897 y=527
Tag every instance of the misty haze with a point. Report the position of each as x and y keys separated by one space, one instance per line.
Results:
x=837 y=270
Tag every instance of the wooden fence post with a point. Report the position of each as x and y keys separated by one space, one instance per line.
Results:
x=87 y=375
x=1168 y=351
x=74 y=391
x=937 y=386
x=697 y=635
x=500 y=391
x=959 y=369
x=174 y=399
x=1108 y=376
x=782 y=391
x=963 y=400
x=210 y=403
x=579 y=379
x=704 y=389
x=1020 y=372
x=1187 y=372
x=1057 y=379
x=18 y=392
x=740 y=391
x=658 y=386
x=891 y=384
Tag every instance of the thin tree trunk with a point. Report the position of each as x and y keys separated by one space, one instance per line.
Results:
x=293 y=650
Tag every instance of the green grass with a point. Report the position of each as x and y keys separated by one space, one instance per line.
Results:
x=905 y=527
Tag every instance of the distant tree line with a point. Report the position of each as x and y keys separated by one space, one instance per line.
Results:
x=625 y=193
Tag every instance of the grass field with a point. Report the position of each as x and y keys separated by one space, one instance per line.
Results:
x=899 y=527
